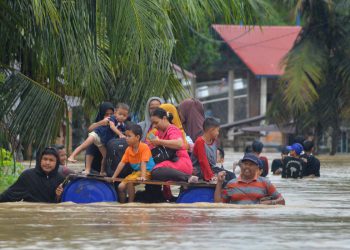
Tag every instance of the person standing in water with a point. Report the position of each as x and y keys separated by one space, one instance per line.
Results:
x=249 y=187
x=40 y=184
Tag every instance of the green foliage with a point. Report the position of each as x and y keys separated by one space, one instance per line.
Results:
x=96 y=51
x=315 y=84
x=8 y=172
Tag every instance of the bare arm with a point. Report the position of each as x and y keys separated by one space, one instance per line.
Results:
x=115 y=130
x=278 y=201
x=103 y=122
x=118 y=170
x=218 y=188
x=59 y=191
x=143 y=171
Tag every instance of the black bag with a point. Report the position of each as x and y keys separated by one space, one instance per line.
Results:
x=115 y=151
x=162 y=153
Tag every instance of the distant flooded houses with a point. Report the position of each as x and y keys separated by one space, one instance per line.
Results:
x=247 y=82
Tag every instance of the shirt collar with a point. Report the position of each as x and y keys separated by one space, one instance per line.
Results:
x=239 y=179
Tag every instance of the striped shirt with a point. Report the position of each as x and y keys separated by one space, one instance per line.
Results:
x=241 y=192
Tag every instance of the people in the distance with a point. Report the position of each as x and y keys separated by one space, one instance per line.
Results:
x=62 y=154
x=312 y=168
x=169 y=136
x=249 y=187
x=204 y=154
x=102 y=134
x=293 y=166
x=39 y=184
x=277 y=164
x=139 y=156
x=257 y=148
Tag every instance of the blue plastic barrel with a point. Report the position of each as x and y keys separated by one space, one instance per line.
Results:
x=83 y=190
x=196 y=195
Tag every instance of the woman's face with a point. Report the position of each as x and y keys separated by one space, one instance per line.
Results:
x=109 y=112
x=153 y=105
x=160 y=123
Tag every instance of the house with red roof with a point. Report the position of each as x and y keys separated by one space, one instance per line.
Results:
x=253 y=67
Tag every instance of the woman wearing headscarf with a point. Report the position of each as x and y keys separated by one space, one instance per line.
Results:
x=176 y=120
x=93 y=156
x=191 y=112
x=39 y=184
x=152 y=104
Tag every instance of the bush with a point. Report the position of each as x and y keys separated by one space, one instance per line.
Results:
x=7 y=174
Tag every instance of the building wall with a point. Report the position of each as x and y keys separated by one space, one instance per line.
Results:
x=254 y=95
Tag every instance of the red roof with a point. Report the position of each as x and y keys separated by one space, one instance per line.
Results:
x=260 y=48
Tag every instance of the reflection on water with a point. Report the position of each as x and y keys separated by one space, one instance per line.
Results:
x=317 y=215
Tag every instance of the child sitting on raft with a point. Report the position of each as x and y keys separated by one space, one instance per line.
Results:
x=101 y=135
x=139 y=156
x=204 y=156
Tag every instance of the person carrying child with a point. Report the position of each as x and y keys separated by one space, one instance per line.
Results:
x=102 y=134
x=204 y=156
x=139 y=156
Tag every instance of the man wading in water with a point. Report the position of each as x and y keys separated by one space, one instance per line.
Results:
x=248 y=188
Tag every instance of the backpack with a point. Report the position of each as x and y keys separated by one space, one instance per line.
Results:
x=115 y=151
x=293 y=168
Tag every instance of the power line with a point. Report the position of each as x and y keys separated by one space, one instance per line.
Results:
x=215 y=40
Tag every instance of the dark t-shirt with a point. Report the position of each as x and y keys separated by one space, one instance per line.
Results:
x=276 y=164
x=312 y=165
x=106 y=133
x=293 y=167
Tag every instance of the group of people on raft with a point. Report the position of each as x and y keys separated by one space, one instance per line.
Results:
x=171 y=144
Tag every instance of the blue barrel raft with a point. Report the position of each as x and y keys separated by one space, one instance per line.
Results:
x=83 y=190
x=193 y=195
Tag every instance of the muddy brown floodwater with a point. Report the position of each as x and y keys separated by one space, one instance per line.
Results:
x=317 y=216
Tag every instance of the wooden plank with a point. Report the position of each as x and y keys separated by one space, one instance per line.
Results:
x=151 y=182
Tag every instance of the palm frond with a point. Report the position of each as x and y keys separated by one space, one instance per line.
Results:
x=30 y=111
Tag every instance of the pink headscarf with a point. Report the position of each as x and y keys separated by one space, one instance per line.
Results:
x=192 y=117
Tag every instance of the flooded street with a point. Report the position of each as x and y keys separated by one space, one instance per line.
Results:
x=317 y=216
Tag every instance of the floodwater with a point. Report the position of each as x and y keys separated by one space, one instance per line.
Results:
x=317 y=216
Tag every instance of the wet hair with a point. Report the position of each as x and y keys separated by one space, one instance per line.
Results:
x=160 y=113
x=122 y=106
x=221 y=152
x=209 y=123
x=308 y=145
x=135 y=129
x=58 y=146
x=257 y=146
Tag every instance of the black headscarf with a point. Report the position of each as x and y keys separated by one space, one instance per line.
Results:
x=102 y=110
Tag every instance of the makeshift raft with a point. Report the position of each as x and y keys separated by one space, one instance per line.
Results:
x=94 y=188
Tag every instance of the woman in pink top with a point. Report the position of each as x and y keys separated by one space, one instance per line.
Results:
x=170 y=136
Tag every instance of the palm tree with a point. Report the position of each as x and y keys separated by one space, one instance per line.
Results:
x=317 y=68
x=95 y=50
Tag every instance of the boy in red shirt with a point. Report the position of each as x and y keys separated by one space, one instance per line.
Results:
x=139 y=156
x=204 y=154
